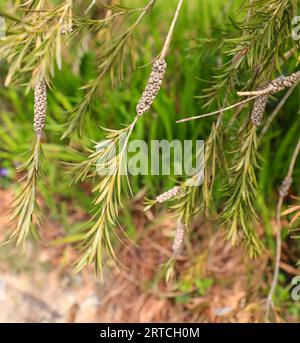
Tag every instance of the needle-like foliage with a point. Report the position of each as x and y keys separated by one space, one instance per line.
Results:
x=26 y=213
x=33 y=44
x=246 y=57
x=110 y=58
x=113 y=163
x=263 y=39
x=240 y=213
x=109 y=160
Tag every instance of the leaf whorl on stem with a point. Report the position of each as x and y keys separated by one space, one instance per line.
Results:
x=153 y=85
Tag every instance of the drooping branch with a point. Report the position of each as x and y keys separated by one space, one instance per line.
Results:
x=25 y=207
x=283 y=191
x=111 y=186
x=275 y=86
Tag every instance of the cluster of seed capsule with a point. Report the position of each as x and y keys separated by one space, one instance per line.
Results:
x=40 y=106
x=285 y=186
x=282 y=82
x=153 y=85
x=258 y=109
x=179 y=237
x=170 y=194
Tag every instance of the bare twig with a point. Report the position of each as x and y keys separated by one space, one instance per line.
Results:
x=282 y=193
x=275 y=86
x=92 y=3
x=257 y=93
x=249 y=10
x=171 y=30
x=218 y=111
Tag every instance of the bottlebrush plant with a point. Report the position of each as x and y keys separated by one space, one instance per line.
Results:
x=251 y=67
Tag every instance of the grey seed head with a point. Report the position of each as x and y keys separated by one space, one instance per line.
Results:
x=155 y=92
x=40 y=106
x=156 y=64
x=285 y=186
x=287 y=83
x=152 y=87
x=259 y=109
x=282 y=82
x=161 y=76
x=179 y=237
x=155 y=87
x=149 y=93
x=141 y=105
x=161 y=69
x=149 y=87
x=168 y=195
x=156 y=78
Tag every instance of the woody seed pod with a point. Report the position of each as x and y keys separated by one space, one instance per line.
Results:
x=170 y=194
x=152 y=87
x=285 y=186
x=259 y=109
x=282 y=82
x=149 y=87
x=40 y=106
x=179 y=237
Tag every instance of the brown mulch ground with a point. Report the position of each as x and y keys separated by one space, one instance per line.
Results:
x=41 y=287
